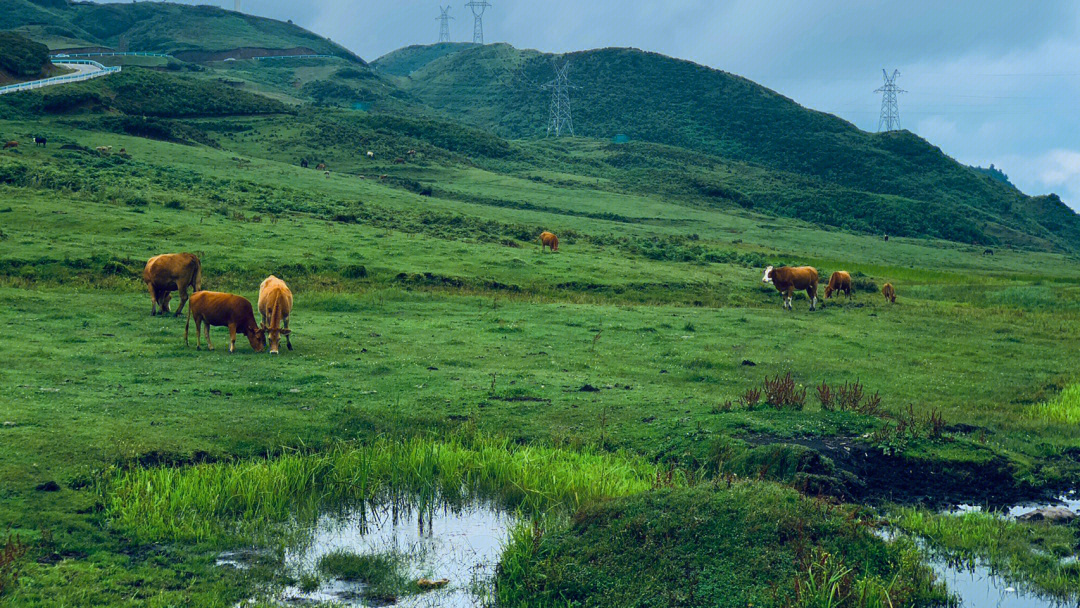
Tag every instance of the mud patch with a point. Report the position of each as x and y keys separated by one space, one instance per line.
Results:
x=865 y=474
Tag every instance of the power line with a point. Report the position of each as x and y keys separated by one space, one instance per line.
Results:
x=478 y=7
x=444 y=23
x=560 y=119
x=890 y=111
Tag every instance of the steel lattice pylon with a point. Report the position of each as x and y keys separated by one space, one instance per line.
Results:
x=890 y=110
x=478 y=7
x=444 y=24
x=561 y=119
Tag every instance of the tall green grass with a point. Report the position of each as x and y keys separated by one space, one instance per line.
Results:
x=1065 y=409
x=1021 y=552
x=212 y=501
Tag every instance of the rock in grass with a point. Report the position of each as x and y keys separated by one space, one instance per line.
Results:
x=1053 y=515
x=48 y=486
x=588 y=388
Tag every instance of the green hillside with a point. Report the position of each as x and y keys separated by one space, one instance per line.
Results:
x=21 y=58
x=407 y=60
x=887 y=183
x=159 y=27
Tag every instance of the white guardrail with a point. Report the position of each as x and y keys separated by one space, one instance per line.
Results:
x=37 y=84
x=262 y=57
x=111 y=54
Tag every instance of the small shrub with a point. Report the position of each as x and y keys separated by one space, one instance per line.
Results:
x=175 y=203
x=11 y=554
x=826 y=397
x=384 y=575
x=750 y=398
x=781 y=392
x=355 y=271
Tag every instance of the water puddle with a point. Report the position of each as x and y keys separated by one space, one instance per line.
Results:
x=1070 y=501
x=977 y=587
x=455 y=549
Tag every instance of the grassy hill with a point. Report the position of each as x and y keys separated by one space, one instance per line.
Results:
x=21 y=58
x=880 y=182
x=200 y=31
x=407 y=60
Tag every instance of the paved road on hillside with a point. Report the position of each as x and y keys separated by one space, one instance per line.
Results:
x=84 y=70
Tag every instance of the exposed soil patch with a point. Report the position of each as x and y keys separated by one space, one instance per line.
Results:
x=880 y=477
x=240 y=53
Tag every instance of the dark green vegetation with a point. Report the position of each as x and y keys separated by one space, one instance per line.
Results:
x=426 y=316
x=727 y=545
x=21 y=58
x=192 y=32
x=383 y=574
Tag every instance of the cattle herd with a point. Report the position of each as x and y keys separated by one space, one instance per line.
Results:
x=171 y=272
x=167 y=273
x=788 y=280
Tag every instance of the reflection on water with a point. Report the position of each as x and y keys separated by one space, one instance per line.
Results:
x=461 y=545
x=978 y=588
x=1070 y=501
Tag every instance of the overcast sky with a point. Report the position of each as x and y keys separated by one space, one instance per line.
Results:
x=989 y=81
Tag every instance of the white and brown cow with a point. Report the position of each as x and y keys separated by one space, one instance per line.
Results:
x=789 y=279
x=275 y=305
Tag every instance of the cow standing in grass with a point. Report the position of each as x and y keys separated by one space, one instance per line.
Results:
x=889 y=292
x=549 y=240
x=11 y=144
x=171 y=272
x=223 y=310
x=41 y=141
x=275 y=305
x=788 y=280
x=839 y=281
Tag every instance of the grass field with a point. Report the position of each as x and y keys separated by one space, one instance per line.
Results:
x=428 y=316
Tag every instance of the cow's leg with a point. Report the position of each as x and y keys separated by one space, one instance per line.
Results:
x=812 y=294
x=787 y=298
x=153 y=299
x=232 y=337
x=288 y=342
x=209 y=346
x=183 y=296
x=164 y=304
x=198 y=333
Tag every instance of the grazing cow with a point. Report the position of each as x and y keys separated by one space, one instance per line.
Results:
x=886 y=238
x=399 y=161
x=370 y=154
x=789 y=279
x=361 y=177
x=171 y=272
x=383 y=176
x=303 y=163
x=224 y=310
x=988 y=252
x=839 y=281
x=42 y=141
x=327 y=174
x=889 y=292
x=549 y=240
x=411 y=152
x=123 y=152
x=320 y=167
x=104 y=150
x=275 y=304
x=11 y=144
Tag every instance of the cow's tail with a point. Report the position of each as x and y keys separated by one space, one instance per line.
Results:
x=198 y=277
x=188 y=325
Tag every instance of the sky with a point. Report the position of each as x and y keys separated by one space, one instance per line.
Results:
x=987 y=81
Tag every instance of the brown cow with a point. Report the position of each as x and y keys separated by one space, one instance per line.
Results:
x=889 y=292
x=224 y=310
x=275 y=304
x=789 y=279
x=11 y=144
x=839 y=281
x=320 y=167
x=548 y=239
x=399 y=161
x=171 y=272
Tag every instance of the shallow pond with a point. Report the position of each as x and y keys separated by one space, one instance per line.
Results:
x=461 y=545
x=978 y=588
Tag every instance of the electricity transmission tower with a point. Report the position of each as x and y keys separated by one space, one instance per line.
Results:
x=478 y=7
x=444 y=24
x=561 y=120
x=890 y=111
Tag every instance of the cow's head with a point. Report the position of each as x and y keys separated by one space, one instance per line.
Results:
x=257 y=338
x=274 y=336
x=768 y=275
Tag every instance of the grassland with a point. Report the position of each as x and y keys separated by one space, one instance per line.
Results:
x=425 y=312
